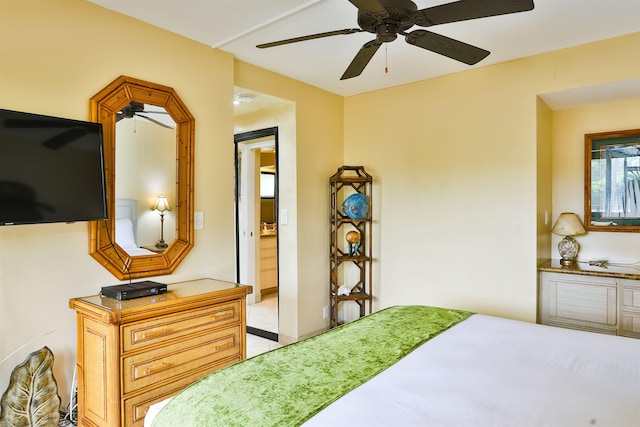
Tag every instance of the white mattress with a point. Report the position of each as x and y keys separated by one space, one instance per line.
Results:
x=488 y=371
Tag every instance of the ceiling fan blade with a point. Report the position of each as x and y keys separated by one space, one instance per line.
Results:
x=446 y=46
x=464 y=10
x=28 y=123
x=310 y=37
x=361 y=59
x=153 y=112
x=64 y=138
x=372 y=7
x=154 y=121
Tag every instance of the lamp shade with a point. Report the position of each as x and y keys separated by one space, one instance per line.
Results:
x=161 y=204
x=568 y=224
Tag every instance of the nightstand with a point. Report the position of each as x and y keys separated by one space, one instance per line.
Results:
x=590 y=298
x=153 y=248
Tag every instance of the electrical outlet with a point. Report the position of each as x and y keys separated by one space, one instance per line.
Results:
x=325 y=312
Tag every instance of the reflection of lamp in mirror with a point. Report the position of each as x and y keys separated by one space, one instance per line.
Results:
x=161 y=206
x=568 y=224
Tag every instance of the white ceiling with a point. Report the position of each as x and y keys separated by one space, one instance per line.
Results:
x=237 y=26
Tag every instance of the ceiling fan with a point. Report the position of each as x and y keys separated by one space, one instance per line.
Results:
x=388 y=18
x=137 y=109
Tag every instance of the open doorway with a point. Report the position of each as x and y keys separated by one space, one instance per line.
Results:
x=256 y=182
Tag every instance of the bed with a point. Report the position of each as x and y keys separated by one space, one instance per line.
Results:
x=127 y=227
x=423 y=366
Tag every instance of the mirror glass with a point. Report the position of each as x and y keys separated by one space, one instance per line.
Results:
x=145 y=169
x=256 y=214
x=148 y=141
x=612 y=181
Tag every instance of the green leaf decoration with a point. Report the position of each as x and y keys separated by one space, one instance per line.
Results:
x=32 y=396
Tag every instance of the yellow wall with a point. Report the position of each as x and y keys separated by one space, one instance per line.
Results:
x=544 y=187
x=455 y=163
x=54 y=56
x=316 y=156
x=456 y=206
x=283 y=117
x=569 y=127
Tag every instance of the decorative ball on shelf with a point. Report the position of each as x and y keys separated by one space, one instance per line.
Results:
x=353 y=237
x=356 y=206
x=353 y=240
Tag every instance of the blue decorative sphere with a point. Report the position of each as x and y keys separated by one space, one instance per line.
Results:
x=356 y=206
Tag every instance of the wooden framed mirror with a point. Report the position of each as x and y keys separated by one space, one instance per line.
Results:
x=612 y=181
x=107 y=107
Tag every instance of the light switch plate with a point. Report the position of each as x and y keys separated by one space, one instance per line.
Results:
x=198 y=220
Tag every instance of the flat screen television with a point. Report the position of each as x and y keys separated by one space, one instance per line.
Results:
x=51 y=169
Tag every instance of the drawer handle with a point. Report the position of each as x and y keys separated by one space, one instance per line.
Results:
x=224 y=346
x=227 y=314
x=157 y=368
x=154 y=334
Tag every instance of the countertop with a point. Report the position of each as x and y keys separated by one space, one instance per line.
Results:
x=616 y=270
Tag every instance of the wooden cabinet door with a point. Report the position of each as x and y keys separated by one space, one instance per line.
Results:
x=630 y=309
x=579 y=302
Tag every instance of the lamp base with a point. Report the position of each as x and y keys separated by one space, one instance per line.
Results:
x=568 y=249
x=161 y=245
x=567 y=262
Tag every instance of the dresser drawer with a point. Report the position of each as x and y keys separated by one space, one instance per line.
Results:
x=135 y=408
x=268 y=264
x=631 y=296
x=268 y=253
x=134 y=353
x=140 y=334
x=178 y=359
x=631 y=324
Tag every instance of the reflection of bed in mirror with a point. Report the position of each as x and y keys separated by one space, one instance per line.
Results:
x=127 y=227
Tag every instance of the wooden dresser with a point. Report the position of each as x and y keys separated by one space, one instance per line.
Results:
x=590 y=298
x=134 y=353
x=268 y=264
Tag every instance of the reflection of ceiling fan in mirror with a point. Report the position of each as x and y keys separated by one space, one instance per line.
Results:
x=388 y=18
x=154 y=114
x=54 y=132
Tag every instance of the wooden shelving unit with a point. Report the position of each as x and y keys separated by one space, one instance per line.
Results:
x=350 y=266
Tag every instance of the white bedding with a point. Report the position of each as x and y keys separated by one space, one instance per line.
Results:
x=488 y=371
x=125 y=238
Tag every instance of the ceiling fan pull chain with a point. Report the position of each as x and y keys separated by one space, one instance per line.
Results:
x=386 y=58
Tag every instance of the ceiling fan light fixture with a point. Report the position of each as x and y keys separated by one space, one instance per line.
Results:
x=243 y=98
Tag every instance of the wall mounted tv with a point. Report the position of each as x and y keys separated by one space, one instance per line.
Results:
x=51 y=169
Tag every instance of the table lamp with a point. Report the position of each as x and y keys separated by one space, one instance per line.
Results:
x=568 y=224
x=161 y=205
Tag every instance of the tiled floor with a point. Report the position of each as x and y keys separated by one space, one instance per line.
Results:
x=264 y=314
x=257 y=345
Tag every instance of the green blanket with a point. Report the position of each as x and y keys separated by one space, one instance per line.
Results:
x=287 y=386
